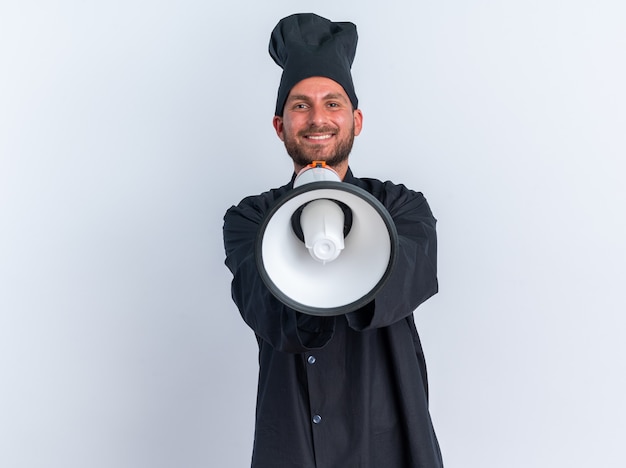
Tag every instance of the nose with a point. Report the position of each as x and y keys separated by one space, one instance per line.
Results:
x=317 y=115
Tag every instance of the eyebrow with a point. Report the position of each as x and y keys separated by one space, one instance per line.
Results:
x=328 y=97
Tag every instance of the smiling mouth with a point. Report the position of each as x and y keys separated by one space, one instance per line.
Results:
x=318 y=137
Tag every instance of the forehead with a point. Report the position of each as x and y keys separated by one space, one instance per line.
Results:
x=317 y=87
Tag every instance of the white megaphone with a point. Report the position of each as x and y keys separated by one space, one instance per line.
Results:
x=326 y=247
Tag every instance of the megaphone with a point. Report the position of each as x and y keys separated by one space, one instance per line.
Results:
x=326 y=247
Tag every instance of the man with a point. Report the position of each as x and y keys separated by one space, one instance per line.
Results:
x=350 y=390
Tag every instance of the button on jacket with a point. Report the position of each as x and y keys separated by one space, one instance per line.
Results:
x=348 y=391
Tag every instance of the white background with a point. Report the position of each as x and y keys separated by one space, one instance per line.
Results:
x=127 y=128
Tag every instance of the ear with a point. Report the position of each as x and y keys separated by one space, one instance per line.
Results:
x=277 y=122
x=358 y=121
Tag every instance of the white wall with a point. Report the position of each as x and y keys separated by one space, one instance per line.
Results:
x=128 y=128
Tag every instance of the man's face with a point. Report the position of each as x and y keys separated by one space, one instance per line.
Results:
x=318 y=123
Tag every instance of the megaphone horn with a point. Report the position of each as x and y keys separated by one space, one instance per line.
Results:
x=326 y=247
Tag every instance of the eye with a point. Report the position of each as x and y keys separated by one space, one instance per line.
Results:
x=333 y=104
x=300 y=105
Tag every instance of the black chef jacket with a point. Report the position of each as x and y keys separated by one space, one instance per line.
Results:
x=348 y=391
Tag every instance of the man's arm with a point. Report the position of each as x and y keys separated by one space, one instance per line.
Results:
x=414 y=277
x=282 y=327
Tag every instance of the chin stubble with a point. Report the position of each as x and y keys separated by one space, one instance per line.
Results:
x=302 y=157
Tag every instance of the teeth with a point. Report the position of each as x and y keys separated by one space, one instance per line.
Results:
x=320 y=137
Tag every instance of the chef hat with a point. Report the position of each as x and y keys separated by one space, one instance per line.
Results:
x=306 y=45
